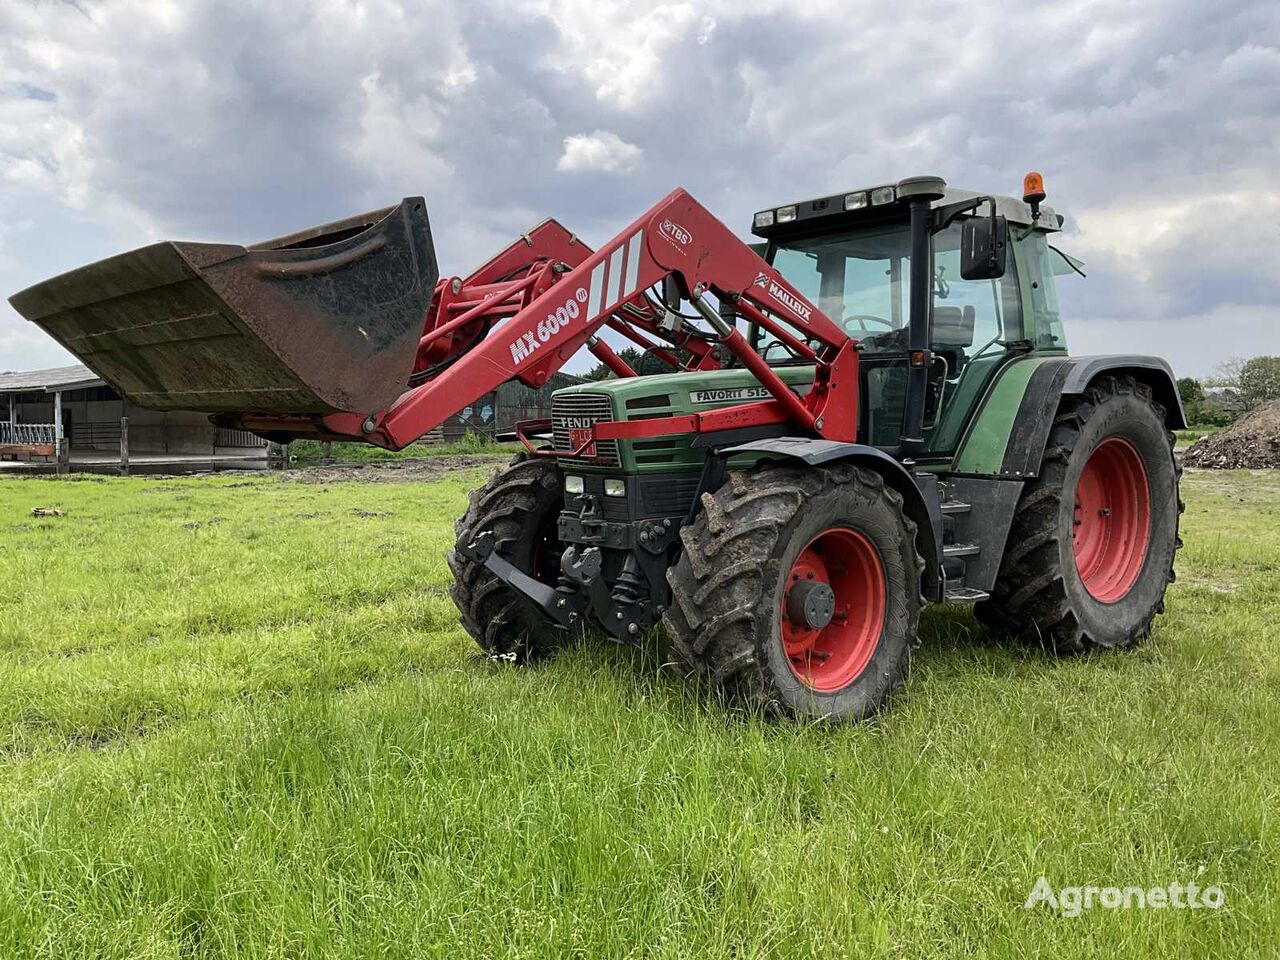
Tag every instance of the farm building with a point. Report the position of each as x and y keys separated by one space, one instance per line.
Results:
x=40 y=407
x=72 y=404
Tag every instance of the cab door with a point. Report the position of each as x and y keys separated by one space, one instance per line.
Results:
x=973 y=323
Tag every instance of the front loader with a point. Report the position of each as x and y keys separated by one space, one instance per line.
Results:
x=872 y=408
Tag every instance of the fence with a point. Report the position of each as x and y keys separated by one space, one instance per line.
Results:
x=27 y=432
x=227 y=437
x=95 y=435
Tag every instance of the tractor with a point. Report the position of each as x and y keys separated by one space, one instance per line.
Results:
x=870 y=407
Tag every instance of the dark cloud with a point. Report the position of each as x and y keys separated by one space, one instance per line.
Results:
x=1157 y=126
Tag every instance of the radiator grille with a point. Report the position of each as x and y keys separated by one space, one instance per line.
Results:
x=570 y=410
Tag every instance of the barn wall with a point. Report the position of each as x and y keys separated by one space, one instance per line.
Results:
x=153 y=431
x=94 y=424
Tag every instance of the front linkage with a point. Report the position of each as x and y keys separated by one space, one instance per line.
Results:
x=639 y=549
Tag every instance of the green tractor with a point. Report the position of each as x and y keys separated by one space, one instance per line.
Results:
x=871 y=408
x=791 y=571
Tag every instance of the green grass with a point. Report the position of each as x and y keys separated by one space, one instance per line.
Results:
x=237 y=718
x=308 y=451
x=1193 y=433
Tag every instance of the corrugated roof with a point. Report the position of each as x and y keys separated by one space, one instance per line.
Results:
x=53 y=378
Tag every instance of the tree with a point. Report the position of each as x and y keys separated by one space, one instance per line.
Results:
x=1260 y=381
x=1202 y=410
x=1228 y=375
x=631 y=355
x=1199 y=409
x=1190 y=391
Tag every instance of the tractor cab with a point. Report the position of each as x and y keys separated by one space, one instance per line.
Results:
x=852 y=255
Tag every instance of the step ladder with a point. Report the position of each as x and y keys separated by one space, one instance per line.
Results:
x=955 y=552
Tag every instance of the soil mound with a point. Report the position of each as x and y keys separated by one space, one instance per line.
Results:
x=1252 y=442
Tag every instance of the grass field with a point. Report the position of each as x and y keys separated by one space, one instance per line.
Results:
x=237 y=718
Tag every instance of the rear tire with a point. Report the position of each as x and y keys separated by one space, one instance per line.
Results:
x=759 y=536
x=1091 y=548
x=520 y=505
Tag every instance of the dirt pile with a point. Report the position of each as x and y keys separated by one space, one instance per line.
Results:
x=1252 y=442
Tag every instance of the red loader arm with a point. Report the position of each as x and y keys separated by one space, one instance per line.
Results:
x=526 y=312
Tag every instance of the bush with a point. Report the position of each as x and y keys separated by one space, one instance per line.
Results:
x=1207 y=413
x=1190 y=390
x=472 y=442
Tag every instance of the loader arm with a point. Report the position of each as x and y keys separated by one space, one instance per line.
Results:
x=346 y=332
x=574 y=291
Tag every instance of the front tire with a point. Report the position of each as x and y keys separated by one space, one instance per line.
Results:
x=1091 y=548
x=520 y=505
x=798 y=591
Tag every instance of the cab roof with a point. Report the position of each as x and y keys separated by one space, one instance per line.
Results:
x=883 y=203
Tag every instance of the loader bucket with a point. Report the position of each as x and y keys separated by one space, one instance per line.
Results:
x=320 y=321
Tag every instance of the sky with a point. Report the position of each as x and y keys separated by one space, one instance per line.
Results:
x=1156 y=126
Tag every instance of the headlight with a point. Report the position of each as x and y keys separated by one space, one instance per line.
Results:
x=786 y=214
x=855 y=201
x=763 y=219
x=573 y=485
x=882 y=195
x=614 y=487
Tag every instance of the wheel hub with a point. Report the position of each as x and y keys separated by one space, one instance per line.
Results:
x=811 y=604
x=832 y=609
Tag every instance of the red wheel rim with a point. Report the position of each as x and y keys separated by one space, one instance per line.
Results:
x=830 y=656
x=1112 y=522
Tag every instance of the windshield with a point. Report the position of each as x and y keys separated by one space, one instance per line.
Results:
x=859 y=278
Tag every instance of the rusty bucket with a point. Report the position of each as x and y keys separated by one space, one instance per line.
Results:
x=319 y=321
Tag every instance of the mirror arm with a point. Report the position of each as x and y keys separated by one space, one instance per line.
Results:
x=993 y=254
x=945 y=215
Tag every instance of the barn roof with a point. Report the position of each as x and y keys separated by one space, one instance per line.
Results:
x=73 y=377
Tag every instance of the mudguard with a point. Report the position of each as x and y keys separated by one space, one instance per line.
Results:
x=1009 y=432
x=920 y=496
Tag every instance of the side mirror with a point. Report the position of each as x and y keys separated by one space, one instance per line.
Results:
x=983 y=246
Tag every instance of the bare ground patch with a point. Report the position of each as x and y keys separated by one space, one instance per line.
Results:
x=405 y=470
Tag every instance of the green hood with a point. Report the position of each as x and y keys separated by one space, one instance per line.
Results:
x=675 y=394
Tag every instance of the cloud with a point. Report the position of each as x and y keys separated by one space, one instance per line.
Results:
x=1157 y=127
x=602 y=151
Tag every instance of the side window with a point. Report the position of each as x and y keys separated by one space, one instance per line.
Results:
x=1040 y=264
x=969 y=315
x=799 y=267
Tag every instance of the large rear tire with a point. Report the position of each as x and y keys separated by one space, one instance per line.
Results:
x=520 y=505
x=1091 y=549
x=798 y=591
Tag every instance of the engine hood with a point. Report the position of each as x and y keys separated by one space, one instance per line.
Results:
x=669 y=394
